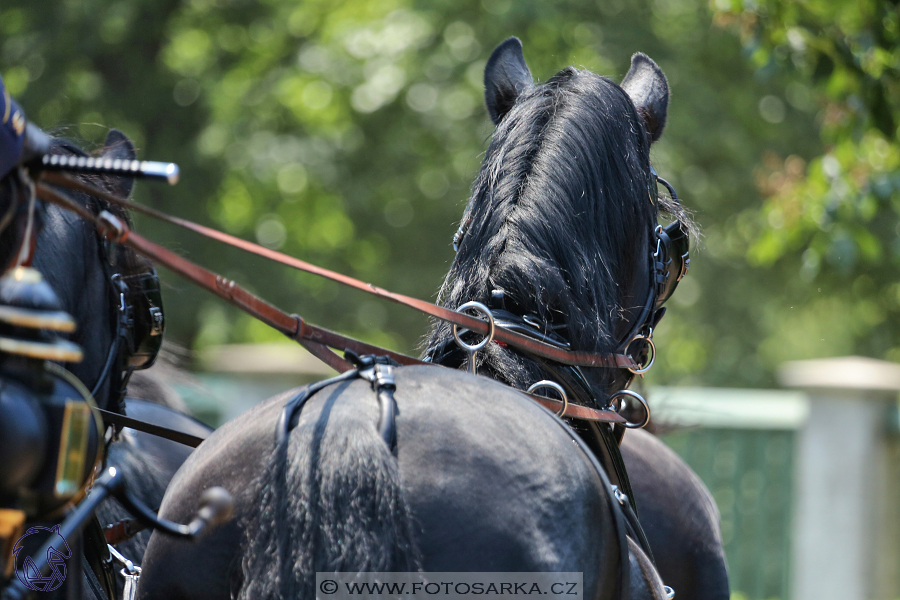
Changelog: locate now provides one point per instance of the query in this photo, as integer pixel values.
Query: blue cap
(12, 132)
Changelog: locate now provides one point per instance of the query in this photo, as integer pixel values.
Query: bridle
(138, 323)
(669, 262)
(138, 326)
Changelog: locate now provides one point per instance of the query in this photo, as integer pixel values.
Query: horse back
(492, 481)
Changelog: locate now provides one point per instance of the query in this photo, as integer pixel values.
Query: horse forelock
(559, 211)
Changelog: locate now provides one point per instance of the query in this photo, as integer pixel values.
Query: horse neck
(617, 315)
(565, 239)
(69, 256)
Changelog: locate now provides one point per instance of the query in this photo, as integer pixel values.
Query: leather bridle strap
(317, 340)
(577, 411)
(582, 359)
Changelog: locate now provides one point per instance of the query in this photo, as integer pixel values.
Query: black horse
(529, 250)
(82, 269)
(475, 476)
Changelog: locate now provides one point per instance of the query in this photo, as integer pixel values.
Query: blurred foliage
(348, 133)
(829, 228)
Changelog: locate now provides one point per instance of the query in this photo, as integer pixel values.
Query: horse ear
(505, 77)
(646, 84)
(118, 146)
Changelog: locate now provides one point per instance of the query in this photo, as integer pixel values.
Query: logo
(58, 552)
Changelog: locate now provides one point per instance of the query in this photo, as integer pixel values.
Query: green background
(348, 133)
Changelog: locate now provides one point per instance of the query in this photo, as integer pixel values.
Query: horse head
(99, 283)
(102, 284)
(560, 226)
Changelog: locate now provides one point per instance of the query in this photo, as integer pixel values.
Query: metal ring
(477, 307)
(670, 593)
(621, 496)
(546, 383)
(640, 399)
(649, 340)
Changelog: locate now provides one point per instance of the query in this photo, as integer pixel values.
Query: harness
(378, 371)
(138, 321)
(669, 262)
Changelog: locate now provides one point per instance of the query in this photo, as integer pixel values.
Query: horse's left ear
(505, 77)
(646, 84)
(118, 146)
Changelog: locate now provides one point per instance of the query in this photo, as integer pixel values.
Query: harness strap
(295, 404)
(633, 524)
(616, 509)
(164, 432)
(97, 589)
(99, 572)
(265, 312)
(377, 370)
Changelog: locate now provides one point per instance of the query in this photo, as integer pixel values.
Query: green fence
(749, 473)
(741, 444)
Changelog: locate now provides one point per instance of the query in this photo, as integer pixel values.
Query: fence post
(846, 514)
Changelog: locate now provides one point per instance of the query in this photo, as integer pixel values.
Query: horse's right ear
(647, 87)
(505, 77)
(118, 146)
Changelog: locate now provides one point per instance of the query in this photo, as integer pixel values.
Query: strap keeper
(114, 229)
(300, 332)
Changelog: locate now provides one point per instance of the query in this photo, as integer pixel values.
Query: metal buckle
(156, 320)
(685, 267)
(473, 349)
(130, 571)
(546, 383)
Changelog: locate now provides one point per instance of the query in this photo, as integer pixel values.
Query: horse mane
(559, 215)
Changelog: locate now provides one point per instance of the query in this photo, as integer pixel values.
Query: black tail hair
(330, 501)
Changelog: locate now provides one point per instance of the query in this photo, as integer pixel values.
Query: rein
(582, 359)
(316, 340)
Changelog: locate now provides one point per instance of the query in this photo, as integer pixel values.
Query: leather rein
(318, 341)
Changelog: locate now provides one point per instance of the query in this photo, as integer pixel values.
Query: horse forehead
(579, 111)
(578, 84)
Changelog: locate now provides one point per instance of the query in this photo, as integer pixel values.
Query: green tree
(348, 133)
(829, 227)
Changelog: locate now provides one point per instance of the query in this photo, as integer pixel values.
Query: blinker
(144, 298)
(671, 259)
